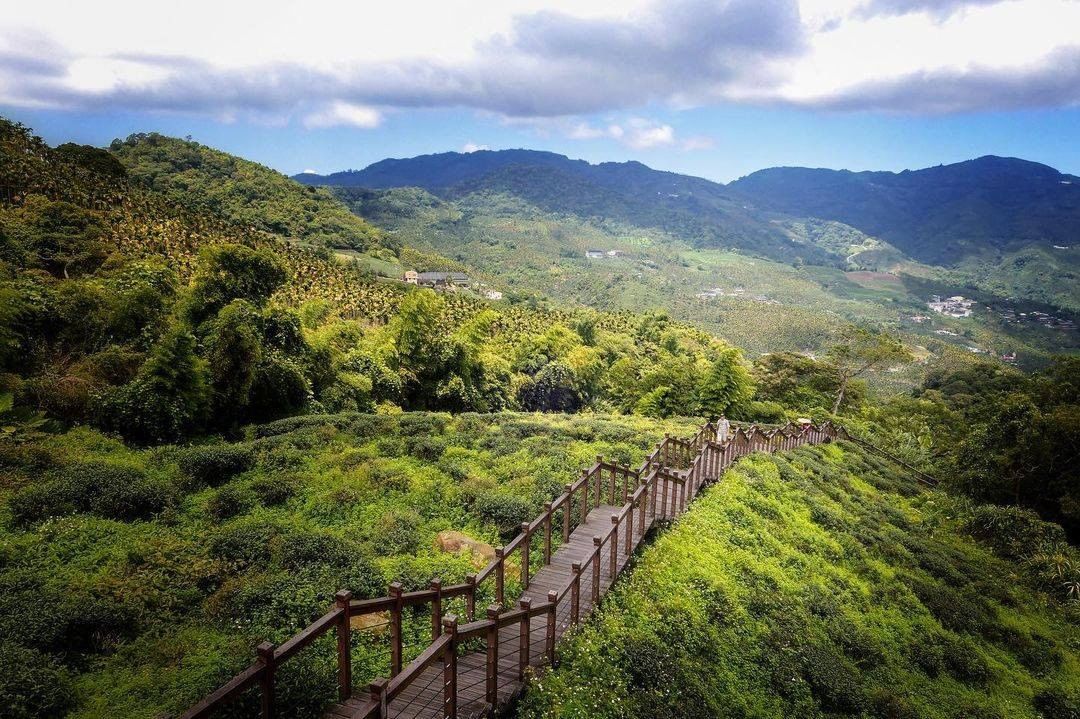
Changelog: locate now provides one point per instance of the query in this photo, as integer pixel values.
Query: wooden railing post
(567, 508)
(552, 618)
(584, 497)
(500, 575)
(525, 555)
(642, 504)
(395, 629)
(614, 546)
(436, 609)
(525, 605)
(597, 543)
(265, 652)
(493, 657)
(547, 533)
(470, 597)
(575, 592)
(378, 695)
(343, 600)
(450, 668)
(663, 493)
(614, 479)
(628, 535)
(599, 480)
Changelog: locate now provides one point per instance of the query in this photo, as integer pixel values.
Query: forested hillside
(699, 212)
(759, 304)
(204, 179)
(1008, 224)
(163, 319)
(824, 583)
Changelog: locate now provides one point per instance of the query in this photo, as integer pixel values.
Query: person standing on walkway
(722, 429)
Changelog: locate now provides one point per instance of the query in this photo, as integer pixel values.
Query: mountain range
(943, 215)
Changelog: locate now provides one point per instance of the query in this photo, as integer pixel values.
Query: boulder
(454, 542)
(376, 622)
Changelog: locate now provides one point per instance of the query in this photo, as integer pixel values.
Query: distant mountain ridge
(934, 214)
(1009, 223)
(699, 211)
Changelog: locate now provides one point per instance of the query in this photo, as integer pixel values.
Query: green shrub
(211, 465)
(965, 662)
(396, 532)
(245, 542)
(505, 511)
(43, 500)
(33, 684)
(891, 704)
(229, 501)
(275, 489)
(834, 680)
(1012, 532)
(301, 550)
(106, 488)
(1058, 703)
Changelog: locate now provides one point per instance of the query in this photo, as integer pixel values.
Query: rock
(458, 543)
(376, 622)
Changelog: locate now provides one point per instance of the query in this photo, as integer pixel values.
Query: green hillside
(822, 583)
(244, 192)
(133, 582)
(1008, 224)
(759, 304)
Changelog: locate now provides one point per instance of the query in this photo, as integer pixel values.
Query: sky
(714, 88)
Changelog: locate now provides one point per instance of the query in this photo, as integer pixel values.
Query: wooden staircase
(473, 666)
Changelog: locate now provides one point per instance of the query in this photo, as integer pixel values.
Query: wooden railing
(675, 469)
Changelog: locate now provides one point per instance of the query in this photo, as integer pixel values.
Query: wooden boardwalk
(423, 699)
(475, 668)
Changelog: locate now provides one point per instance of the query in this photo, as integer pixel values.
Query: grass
(801, 307)
(141, 617)
(818, 584)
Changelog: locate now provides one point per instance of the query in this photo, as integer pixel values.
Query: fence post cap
(597, 540)
(378, 686)
(265, 650)
(449, 623)
(525, 603)
(575, 567)
(343, 597)
(435, 584)
(470, 579)
(599, 458)
(493, 611)
(614, 519)
(395, 589)
(524, 527)
(498, 551)
(553, 596)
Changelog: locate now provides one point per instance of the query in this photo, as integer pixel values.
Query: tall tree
(859, 351)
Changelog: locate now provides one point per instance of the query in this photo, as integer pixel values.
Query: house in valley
(438, 280)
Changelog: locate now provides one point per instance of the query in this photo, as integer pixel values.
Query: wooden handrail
(641, 492)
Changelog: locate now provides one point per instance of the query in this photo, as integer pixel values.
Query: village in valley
(449, 282)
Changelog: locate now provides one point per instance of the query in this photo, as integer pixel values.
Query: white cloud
(340, 113)
(539, 58)
(698, 142)
(636, 132)
(473, 147)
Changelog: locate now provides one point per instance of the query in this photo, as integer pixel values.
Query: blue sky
(716, 89)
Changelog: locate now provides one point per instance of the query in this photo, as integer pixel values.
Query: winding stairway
(475, 665)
